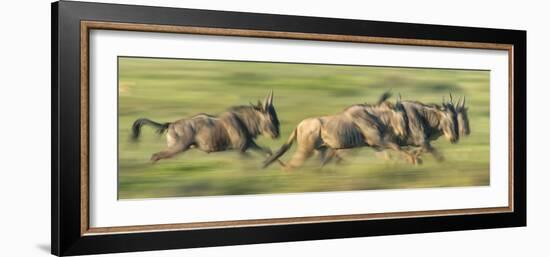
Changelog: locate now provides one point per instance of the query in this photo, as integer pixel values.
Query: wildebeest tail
(281, 150)
(136, 127)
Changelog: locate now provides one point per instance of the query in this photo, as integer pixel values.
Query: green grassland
(166, 89)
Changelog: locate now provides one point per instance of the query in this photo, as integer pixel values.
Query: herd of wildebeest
(406, 127)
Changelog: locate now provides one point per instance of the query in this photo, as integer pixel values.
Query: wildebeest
(234, 129)
(358, 125)
(427, 122)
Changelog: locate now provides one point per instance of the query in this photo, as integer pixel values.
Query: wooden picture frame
(71, 25)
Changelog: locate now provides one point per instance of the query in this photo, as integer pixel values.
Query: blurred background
(165, 90)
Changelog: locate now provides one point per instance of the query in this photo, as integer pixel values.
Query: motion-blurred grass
(168, 89)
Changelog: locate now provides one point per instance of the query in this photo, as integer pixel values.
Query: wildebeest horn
(463, 104)
(268, 100)
(458, 102)
(399, 98)
(451, 98)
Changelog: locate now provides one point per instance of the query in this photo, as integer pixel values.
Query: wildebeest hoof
(155, 158)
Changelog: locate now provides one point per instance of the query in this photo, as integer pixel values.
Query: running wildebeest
(234, 129)
(427, 122)
(357, 126)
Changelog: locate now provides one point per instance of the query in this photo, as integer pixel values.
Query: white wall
(25, 128)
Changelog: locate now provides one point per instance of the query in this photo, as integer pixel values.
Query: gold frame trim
(86, 26)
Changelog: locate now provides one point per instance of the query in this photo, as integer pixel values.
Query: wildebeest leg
(305, 149)
(255, 147)
(339, 155)
(373, 138)
(411, 157)
(326, 155)
(308, 138)
(416, 152)
(244, 155)
(382, 144)
(382, 154)
(427, 147)
(299, 157)
(263, 150)
(175, 148)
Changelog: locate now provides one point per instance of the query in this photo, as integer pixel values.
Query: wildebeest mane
(248, 117)
(424, 120)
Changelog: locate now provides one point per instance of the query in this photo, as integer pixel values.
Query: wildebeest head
(268, 121)
(448, 121)
(462, 117)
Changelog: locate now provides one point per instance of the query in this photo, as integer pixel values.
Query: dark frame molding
(67, 238)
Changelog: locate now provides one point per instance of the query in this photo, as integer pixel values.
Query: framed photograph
(178, 128)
